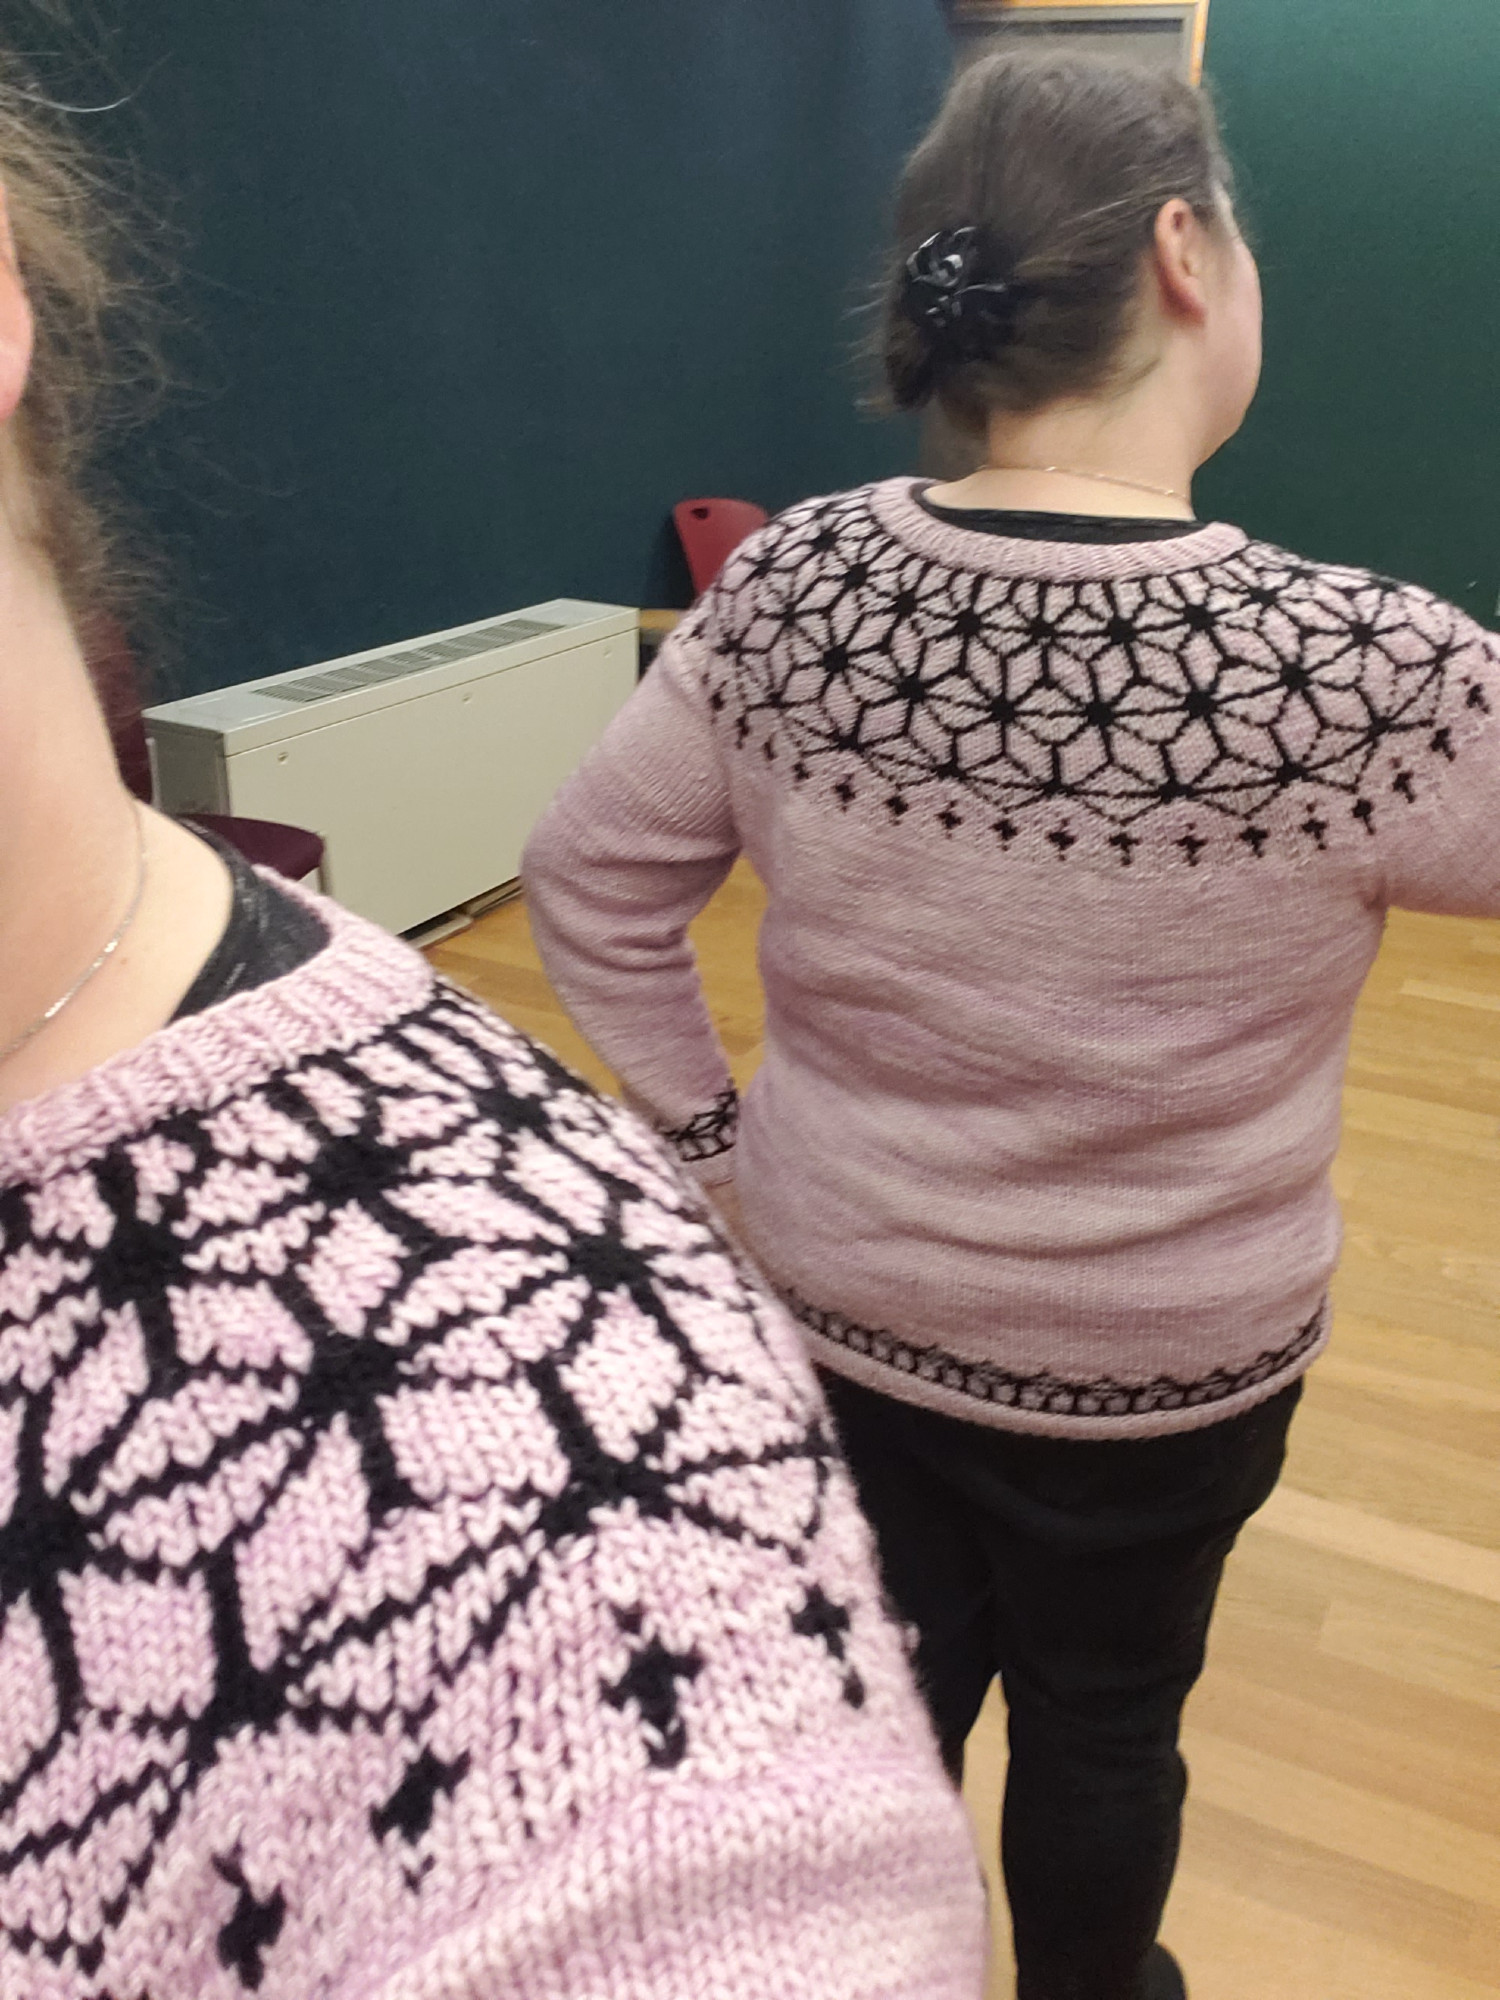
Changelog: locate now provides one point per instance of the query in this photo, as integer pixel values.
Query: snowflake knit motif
(1251, 705)
(330, 1416)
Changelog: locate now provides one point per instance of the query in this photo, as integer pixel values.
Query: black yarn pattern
(513, 1117)
(1251, 706)
(1042, 1393)
(711, 1133)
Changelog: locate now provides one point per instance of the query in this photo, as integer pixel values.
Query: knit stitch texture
(1077, 858)
(425, 1568)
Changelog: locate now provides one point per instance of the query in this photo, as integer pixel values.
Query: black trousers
(1084, 1574)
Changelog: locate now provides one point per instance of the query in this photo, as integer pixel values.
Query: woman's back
(1077, 856)
(1079, 821)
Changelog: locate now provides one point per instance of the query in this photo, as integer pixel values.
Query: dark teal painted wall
(476, 289)
(1368, 137)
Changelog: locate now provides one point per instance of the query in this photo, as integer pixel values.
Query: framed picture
(1172, 32)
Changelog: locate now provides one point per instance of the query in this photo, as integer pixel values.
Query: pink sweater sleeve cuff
(705, 1144)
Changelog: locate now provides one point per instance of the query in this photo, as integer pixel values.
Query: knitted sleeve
(1446, 860)
(426, 1570)
(627, 855)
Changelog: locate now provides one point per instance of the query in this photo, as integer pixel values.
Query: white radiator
(423, 765)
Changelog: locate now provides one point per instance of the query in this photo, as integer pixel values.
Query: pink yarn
(1077, 858)
(425, 1568)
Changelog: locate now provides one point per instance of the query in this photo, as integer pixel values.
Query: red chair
(291, 850)
(710, 531)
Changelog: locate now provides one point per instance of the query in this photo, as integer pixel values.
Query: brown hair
(1061, 165)
(93, 346)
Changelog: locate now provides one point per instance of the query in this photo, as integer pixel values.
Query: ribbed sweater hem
(1044, 1404)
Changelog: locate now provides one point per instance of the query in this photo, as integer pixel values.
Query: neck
(67, 839)
(69, 860)
(1138, 440)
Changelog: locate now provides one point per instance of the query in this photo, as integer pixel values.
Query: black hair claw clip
(940, 295)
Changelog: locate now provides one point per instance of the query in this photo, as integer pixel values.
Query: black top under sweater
(1030, 525)
(269, 933)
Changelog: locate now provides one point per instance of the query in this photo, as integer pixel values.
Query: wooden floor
(1343, 1836)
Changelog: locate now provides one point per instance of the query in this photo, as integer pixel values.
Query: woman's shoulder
(377, 1147)
(409, 1414)
(808, 531)
(1360, 594)
(358, 1057)
(1412, 659)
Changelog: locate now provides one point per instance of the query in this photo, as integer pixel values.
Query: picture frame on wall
(1172, 32)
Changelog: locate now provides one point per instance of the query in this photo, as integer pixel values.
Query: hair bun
(964, 319)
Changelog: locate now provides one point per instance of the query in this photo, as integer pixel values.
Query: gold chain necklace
(1103, 479)
(27, 1034)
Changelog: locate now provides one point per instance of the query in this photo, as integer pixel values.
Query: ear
(17, 330)
(1182, 255)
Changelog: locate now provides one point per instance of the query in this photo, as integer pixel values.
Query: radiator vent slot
(411, 660)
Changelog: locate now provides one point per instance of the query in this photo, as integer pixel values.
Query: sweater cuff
(705, 1145)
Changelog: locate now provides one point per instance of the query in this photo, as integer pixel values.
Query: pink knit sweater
(424, 1568)
(1077, 859)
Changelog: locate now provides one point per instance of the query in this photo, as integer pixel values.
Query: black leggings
(1083, 1574)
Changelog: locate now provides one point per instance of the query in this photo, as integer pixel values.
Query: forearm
(612, 934)
(627, 855)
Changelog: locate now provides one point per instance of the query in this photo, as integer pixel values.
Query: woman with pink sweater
(426, 1568)
(1078, 819)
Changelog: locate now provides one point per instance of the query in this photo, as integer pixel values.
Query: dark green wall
(1368, 137)
(476, 289)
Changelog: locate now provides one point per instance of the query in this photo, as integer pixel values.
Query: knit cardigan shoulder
(1076, 858)
(425, 1566)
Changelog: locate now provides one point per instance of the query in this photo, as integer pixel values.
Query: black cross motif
(649, 1683)
(408, 1811)
(1254, 688)
(252, 1929)
(821, 1618)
